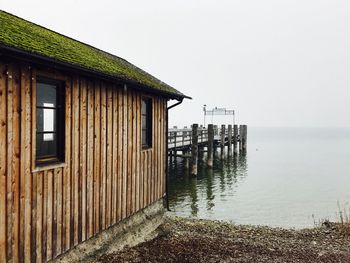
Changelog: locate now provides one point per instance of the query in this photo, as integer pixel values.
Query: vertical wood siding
(107, 176)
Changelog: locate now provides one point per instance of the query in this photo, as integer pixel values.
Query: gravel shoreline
(192, 240)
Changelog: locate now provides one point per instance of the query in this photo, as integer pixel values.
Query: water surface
(290, 177)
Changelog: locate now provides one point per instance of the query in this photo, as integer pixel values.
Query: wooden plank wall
(107, 175)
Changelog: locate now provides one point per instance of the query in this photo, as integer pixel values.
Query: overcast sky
(277, 63)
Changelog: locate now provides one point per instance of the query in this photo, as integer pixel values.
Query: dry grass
(344, 219)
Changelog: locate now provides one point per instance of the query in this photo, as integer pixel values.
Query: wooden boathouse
(82, 141)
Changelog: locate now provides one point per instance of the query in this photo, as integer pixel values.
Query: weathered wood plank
(15, 184)
(149, 175)
(39, 216)
(26, 178)
(83, 160)
(145, 179)
(34, 216)
(120, 154)
(159, 140)
(155, 148)
(128, 138)
(125, 152)
(76, 197)
(90, 160)
(59, 214)
(49, 214)
(103, 157)
(33, 154)
(97, 156)
(109, 158)
(161, 124)
(140, 155)
(3, 161)
(161, 136)
(45, 221)
(165, 146)
(161, 151)
(28, 165)
(67, 204)
(153, 167)
(134, 152)
(54, 212)
(9, 195)
(138, 150)
(115, 159)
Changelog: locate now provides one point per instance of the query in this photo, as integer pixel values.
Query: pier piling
(229, 138)
(235, 136)
(222, 143)
(244, 140)
(210, 145)
(241, 135)
(194, 150)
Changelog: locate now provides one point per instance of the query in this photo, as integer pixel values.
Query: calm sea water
(290, 177)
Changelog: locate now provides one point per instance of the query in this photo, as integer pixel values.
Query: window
(50, 125)
(146, 111)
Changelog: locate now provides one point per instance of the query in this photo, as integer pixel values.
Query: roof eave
(11, 51)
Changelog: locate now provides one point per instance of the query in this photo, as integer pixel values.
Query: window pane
(48, 137)
(144, 137)
(46, 94)
(45, 120)
(49, 120)
(39, 120)
(143, 107)
(144, 122)
(46, 148)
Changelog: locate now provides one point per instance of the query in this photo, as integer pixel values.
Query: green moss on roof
(26, 36)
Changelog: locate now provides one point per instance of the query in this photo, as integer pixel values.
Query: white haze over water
(277, 63)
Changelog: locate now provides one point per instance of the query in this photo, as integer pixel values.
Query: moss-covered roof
(22, 35)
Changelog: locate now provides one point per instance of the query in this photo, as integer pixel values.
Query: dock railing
(183, 140)
(178, 138)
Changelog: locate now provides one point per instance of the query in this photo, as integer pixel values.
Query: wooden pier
(190, 141)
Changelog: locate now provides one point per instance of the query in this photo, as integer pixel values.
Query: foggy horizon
(277, 64)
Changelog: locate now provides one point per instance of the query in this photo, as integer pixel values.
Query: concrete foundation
(138, 228)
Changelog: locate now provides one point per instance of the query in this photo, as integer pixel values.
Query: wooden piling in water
(175, 139)
(210, 145)
(186, 159)
(245, 134)
(194, 150)
(222, 143)
(229, 138)
(171, 156)
(241, 135)
(235, 136)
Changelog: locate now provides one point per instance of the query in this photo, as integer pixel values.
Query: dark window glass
(146, 112)
(49, 121)
(46, 94)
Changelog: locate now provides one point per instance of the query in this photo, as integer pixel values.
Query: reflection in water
(197, 196)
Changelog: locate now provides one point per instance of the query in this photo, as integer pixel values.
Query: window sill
(48, 167)
(148, 149)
